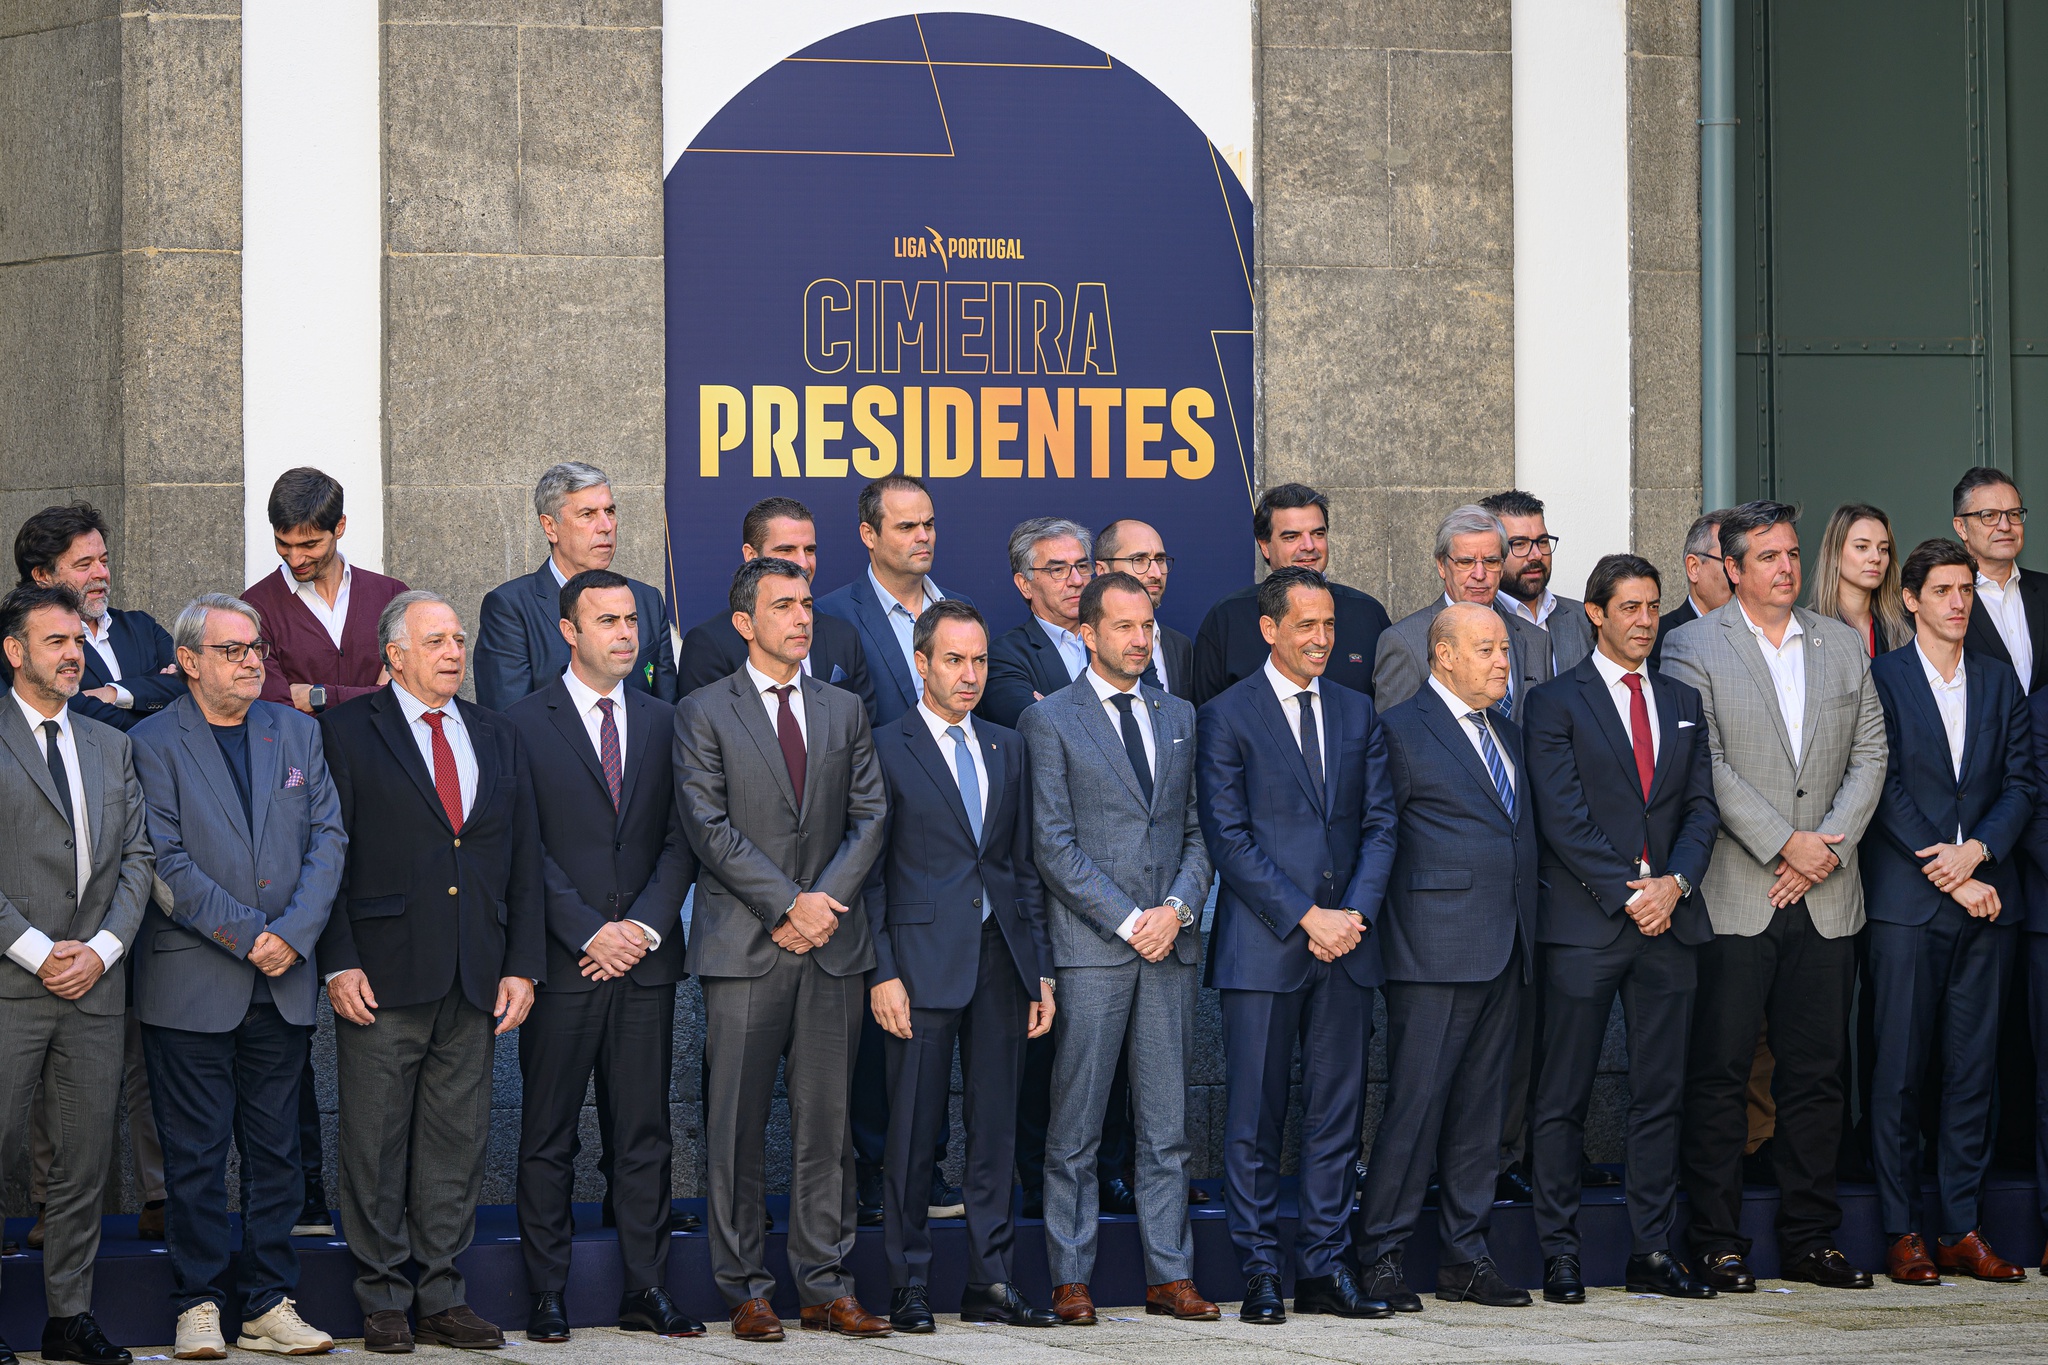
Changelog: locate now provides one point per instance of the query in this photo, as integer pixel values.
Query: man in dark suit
(779, 528)
(783, 801)
(1290, 525)
(1134, 548)
(616, 866)
(2032, 922)
(1298, 811)
(2009, 622)
(131, 670)
(1525, 579)
(1051, 563)
(1623, 785)
(439, 930)
(1707, 586)
(901, 532)
(1455, 936)
(519, 647)
(960, 953)
(1938, 877)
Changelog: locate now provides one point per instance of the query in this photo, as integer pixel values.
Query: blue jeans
(208, 1088)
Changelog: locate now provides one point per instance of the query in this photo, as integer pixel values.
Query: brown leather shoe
(1973, 1257)
(33, 1238)
(1178, 1297)
(387, 1333)
(1073, 1305)
(1907, 1263)
(754, 1320)
(845, 1316)
(460, 1328)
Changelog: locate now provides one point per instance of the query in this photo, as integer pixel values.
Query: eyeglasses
(1464, 563)
(1991, 516)
(237, 650)
(1060, 570)
(1144, 563)
(1521, 546)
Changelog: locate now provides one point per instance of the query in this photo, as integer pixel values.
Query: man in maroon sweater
(320, 615)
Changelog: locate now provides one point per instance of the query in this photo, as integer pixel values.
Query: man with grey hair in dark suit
(783, 799)
(1120, 852)
(72, 887)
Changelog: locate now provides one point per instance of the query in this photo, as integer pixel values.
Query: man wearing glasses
(1134, 548)
(1525, 579)
(1471, 556)
(1049, 558)
(2010, 622)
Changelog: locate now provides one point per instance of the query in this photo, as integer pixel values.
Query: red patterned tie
(608, 750)
(791, 737)
(447, 785)
(1639, 729)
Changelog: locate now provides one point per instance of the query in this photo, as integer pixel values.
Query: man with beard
(130, 668)
(1525, 579)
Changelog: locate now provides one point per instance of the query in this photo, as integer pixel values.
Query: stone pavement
(1961, 1322)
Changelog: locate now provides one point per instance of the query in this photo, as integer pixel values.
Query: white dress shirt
(1618, 692)
(332, 619)
(585, 700)
(1073, 652)
(1286, 691)
(1539, 617)
(1459, 711)
(2009, 615)
(458, 741)
(1107, 690)
(1787, 665)
(100, 635)
(762, 689)
(32, 949)
(937, 724)
(1952, 699)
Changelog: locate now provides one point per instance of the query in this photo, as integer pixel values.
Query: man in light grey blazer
(1120, 852)
(75, 869)
(783, 799)
(249, 843)
(1797, 735)
(1471, 557)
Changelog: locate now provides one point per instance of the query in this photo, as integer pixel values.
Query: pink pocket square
(294, 777)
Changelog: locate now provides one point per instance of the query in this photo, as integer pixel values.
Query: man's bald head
(1469, 653)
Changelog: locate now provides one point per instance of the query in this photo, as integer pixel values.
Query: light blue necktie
(970, 788)
(1494, 767)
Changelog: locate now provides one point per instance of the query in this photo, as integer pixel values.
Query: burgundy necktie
(791, 737)
(608, 750)
(447, 784)
(1639, 730)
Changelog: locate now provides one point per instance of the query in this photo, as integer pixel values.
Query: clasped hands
(1803, 863)
(810, 923)
(1953, 868)
(71, 969)
(615, 950)
(1332, 933)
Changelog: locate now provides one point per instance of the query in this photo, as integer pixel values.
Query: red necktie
(791, 737)
(447, 785)
(1639, 730)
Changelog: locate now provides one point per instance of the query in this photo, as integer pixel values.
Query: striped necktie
(1495, 768)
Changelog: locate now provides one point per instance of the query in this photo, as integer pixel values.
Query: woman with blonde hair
(1857, 579)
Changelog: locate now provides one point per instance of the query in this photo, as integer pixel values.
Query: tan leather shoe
(1073, 1305)
(754, 1320)
(1178, 1298)
(845, 1316)
(1975, 1258)
(1906, 1261)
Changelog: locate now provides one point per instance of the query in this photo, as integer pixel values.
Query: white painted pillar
(312, 242)
(1572, 397)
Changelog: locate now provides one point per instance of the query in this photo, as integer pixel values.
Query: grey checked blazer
(1101, 853)
(1764, 799)
(1401, 666)
(1571, 633)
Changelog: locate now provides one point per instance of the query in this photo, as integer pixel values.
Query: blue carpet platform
(132, 1301)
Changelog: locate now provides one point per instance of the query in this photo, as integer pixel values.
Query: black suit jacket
(422, 908)
(600, 865)
(925, 896)
(713, 651)
(1591, 818)
(143, 647)
(1180, 662)
(1230, 646)
(1021, 662)
(1665, 625)
(519, 644)
(1985, 639)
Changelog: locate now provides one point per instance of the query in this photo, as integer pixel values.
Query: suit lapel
(389, 722)
(569, 724)
(92, 777)
(1593, 691)
(1289, 743)
(1096, 722)
(817, 722)
(754, 716)
(482, 745)
(1665, 699)
(998, 773)
(1454, 734)
(1745, 647)
(642, 732)
(938, 766)
(875, 621)
(264, 759)
(1816, 664)
(1977, 700)
(204, 751)
(21, 742)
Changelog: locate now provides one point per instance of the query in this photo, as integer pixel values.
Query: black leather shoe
(1727, 1273)
(1478, 1282)
(7, 1356)
(1593, 1177)
(867, 1200)
(1512, 1187)
(78, 1338)
(1828, 1268)
(910, 1310)
(680, 1221)
(767, 1219)
(1002, 1304)
(547, 1319)
(1562, 1282)
(1662, 1273)
(1385, 1281)
(652, 1310)
(1337, 1294)
(1117, 1196)
(1262, 1306)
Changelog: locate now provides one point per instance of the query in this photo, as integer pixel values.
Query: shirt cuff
(328, 979)
(123, 698)
(653, 939)
(107, 946)
(1130, 924)
(31, 951)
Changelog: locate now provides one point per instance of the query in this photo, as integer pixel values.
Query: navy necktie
(1134, 743)
(63, 779)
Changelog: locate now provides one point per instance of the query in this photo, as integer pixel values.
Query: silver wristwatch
(1684, 885)
(1181, 911)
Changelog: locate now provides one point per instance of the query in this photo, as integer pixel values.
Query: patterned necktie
(447, 782)
(1495, 768)
(608, 750)
(58, 774)
(1505, 707)
(969, 779)
(791, 737)
(1134, 744)
(1311, 743)
(1639, 730)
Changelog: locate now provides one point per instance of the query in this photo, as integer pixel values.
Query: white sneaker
(199, 1335)
(283, 1332)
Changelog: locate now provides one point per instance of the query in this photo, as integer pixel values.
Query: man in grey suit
(783, 799)
(1525, 580)
(73, 878)
(1797, 733)
(1471, 556)
(249, 843)
(1125, 870)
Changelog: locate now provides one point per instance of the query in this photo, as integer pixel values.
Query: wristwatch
(316, 697)
(1684, 884)
(1181, 910)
